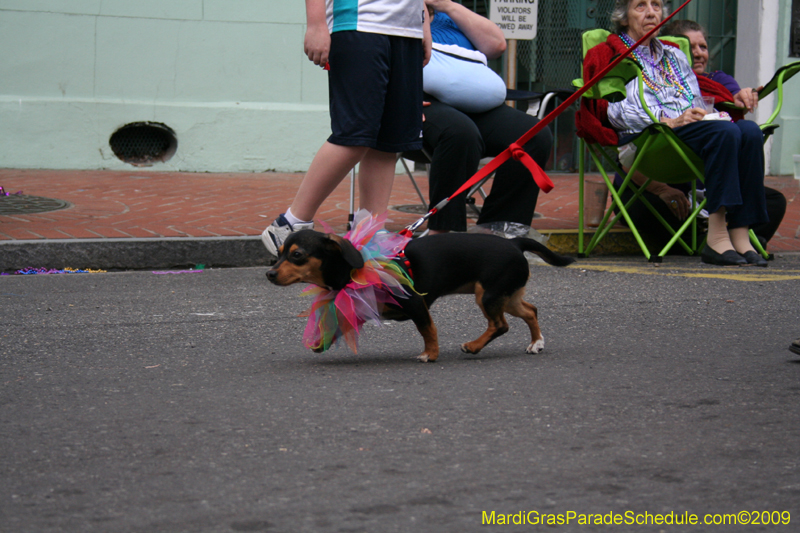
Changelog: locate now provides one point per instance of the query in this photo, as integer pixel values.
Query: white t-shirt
(402, 18)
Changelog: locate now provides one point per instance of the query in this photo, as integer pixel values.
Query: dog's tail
(529, 245)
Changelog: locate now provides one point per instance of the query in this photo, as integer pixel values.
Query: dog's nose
(272, 275)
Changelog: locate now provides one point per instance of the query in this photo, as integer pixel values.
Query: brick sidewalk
(154, 205)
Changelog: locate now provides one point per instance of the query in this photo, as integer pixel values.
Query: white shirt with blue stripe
(401, 18)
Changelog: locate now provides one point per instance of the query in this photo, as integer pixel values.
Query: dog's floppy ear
(349, 252)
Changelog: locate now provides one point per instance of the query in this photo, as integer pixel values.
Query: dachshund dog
(491, 267)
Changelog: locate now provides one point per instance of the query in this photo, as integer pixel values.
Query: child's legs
(327, 170)
(400, 122)
(331, 165)
(375, 87)
(375, 180)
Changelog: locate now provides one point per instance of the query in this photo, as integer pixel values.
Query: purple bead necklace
(670, 74)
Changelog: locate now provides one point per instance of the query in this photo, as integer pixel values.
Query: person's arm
(676, 201)
(747, 98)
(426, 38)
(317, 43)
(482, 32)
(628, 116)
(692, 114)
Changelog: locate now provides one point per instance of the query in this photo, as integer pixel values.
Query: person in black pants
(457, 141)
(467, 120)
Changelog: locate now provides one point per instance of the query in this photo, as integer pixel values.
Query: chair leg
(352, 214)
(413, 182)
(607, 222)
(581, 169)
(757, 245)
(477, 189)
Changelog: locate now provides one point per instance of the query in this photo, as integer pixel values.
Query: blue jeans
(733, 154)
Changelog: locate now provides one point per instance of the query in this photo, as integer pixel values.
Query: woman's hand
(693, 114)
(674, 198)
(747, 98)
(677, 202)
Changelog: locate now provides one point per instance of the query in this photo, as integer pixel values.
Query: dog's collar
(404, 263)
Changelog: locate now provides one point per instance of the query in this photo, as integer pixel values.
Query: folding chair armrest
(730, 106)
(781, 76)
(537, 102)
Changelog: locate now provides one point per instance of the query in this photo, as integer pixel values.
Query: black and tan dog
(491, 267)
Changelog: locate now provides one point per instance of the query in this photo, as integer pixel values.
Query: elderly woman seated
(732, 152)
(743, 97)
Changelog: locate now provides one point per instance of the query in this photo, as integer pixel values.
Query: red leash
(515, 150)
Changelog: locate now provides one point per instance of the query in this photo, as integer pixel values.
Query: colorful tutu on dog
(340, 314)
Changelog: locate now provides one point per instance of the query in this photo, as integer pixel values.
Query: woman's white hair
(619, 15)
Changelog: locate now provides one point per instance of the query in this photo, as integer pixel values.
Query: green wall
(228, 76)
(787, 137)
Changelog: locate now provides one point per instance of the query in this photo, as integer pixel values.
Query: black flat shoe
(728, 258)
(755, 258)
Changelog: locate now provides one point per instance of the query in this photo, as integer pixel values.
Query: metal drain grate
(144, 143)
(23, 204)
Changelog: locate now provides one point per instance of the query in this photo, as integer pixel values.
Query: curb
(133, 254)
(218, 252)
(618, 242)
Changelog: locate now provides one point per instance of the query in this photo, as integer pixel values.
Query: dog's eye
(297, 254)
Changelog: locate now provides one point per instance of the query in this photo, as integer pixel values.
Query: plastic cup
(708, 104)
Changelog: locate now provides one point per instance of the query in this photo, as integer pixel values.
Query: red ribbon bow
(539, 176)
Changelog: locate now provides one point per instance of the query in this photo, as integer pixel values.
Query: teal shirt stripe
(345, 15)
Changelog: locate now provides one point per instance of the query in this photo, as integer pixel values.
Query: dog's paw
(425, 358)
(535, 347)
(469, 347)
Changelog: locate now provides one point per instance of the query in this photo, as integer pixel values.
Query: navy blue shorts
(375, 91)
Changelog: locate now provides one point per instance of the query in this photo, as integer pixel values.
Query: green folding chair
(781, 76)
(660, 156)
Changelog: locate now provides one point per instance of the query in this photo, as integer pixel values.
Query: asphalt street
(144, 402)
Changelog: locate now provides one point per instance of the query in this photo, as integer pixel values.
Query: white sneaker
(278, 231)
